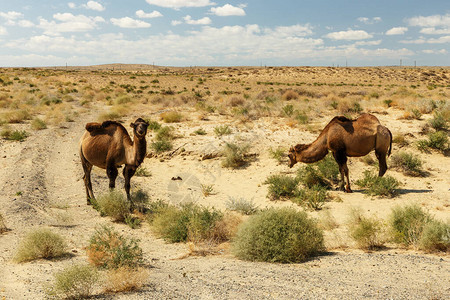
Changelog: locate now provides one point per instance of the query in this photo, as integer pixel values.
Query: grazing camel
(347, 138)
(108, 146)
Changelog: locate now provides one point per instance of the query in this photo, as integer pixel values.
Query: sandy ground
(42, 185)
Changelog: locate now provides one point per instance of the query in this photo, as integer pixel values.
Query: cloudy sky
(225, 33)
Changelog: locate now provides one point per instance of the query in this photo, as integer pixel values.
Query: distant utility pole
(415, 65)
(346, 63)
(400, 62)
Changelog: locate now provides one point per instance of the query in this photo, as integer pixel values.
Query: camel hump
(97, 126)
(341, 119)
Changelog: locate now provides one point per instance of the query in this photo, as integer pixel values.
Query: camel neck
(139, 150)
(315, 151)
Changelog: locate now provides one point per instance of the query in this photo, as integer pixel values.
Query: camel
(347, 138)
(108, 146)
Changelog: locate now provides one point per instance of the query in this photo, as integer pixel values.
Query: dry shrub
(225, 229)
(290, 95)
(125, 279)
(171, 117)
(40, 243)
(17, 116)
(367, 232)
(3, 227)
(74, 282)
(113, 204)
(235, 101)
(109, 249)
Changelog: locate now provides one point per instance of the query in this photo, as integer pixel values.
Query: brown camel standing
(108, 146)
(347, 138)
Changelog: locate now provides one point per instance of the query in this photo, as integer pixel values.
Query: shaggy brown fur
(347, 138)
(108, 146)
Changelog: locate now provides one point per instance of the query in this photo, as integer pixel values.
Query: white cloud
(69, 23)
(203, 21)
(176, 4)
(422, 40)
(397, 31)
(433, 30)
(430, 21)
(441, 51)
(369, 21)
(175, 23)
(128, 22)
(71, 5)
(143, 15)
(349, 35)
(11, 15)
(368, 43)
(3, 31)
(94, 5)
(25, 23)
(228, 10)
(291, 31)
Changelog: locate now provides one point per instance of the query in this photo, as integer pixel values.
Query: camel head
(294, 154)
(139, 127)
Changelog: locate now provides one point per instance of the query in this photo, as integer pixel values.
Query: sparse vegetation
(16, 135)
(142, 171)
(281, 186)
(3, 227)
(113, 204)
(207, 189)
(279, 154)
(435, 237)
(313, 198)
(407, 224)
(437, 140)
(235, 155)
(74, 282)
(40, 243)
(189, 222)
(367, 232)
(278, 235)
(109, 249)
(241, 205)
(408, 163)
(386, 186)
(125, 279)
(38, 124)
(171, 117)
(222, 130)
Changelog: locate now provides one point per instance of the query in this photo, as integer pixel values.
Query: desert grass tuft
(125, 279)
(235, 155)
(142, 172)
(278, 235)
(435, 237)
(279, 154)
(408, 163)
(281, 187)
(407, 224)
(367, 232)
(74, 282)
(222, 130)
(111, 250)
(312, 198)
(38, 124)
(437, 140)
(40, 243)
(3, 227)
(113, 204)
(386, 186)
(171, 117)
(241, 205)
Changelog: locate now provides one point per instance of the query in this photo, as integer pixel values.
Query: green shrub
(16, 135)
(407, 224)
(437, 140)
(278, 235)
(40, 243)
(302, 118)
(38, 124)
(113, 204)
(324, 173)
(288, 110)
(438, 122)
(161, 146)
(165, 133)
(281, 186)
(153, 125)
(142, 172)
(328, 168)
(366, 232)
(109, 249)
(435, 237)
(312, 198)
(190, 222)
(310, 176)
(408, 163)
(74, 282)
(241, 205)
(278, 154)
(200, 131)
(235, 155)
(386, 186)
(222, 130)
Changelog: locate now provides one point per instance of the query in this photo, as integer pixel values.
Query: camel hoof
(348, 190)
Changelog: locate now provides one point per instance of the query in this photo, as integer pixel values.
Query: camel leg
(381, 163)
(341, 160)
(128, 172)
(87, 168)
(111, 172)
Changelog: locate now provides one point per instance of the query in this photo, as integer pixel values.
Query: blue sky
(225, 33)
